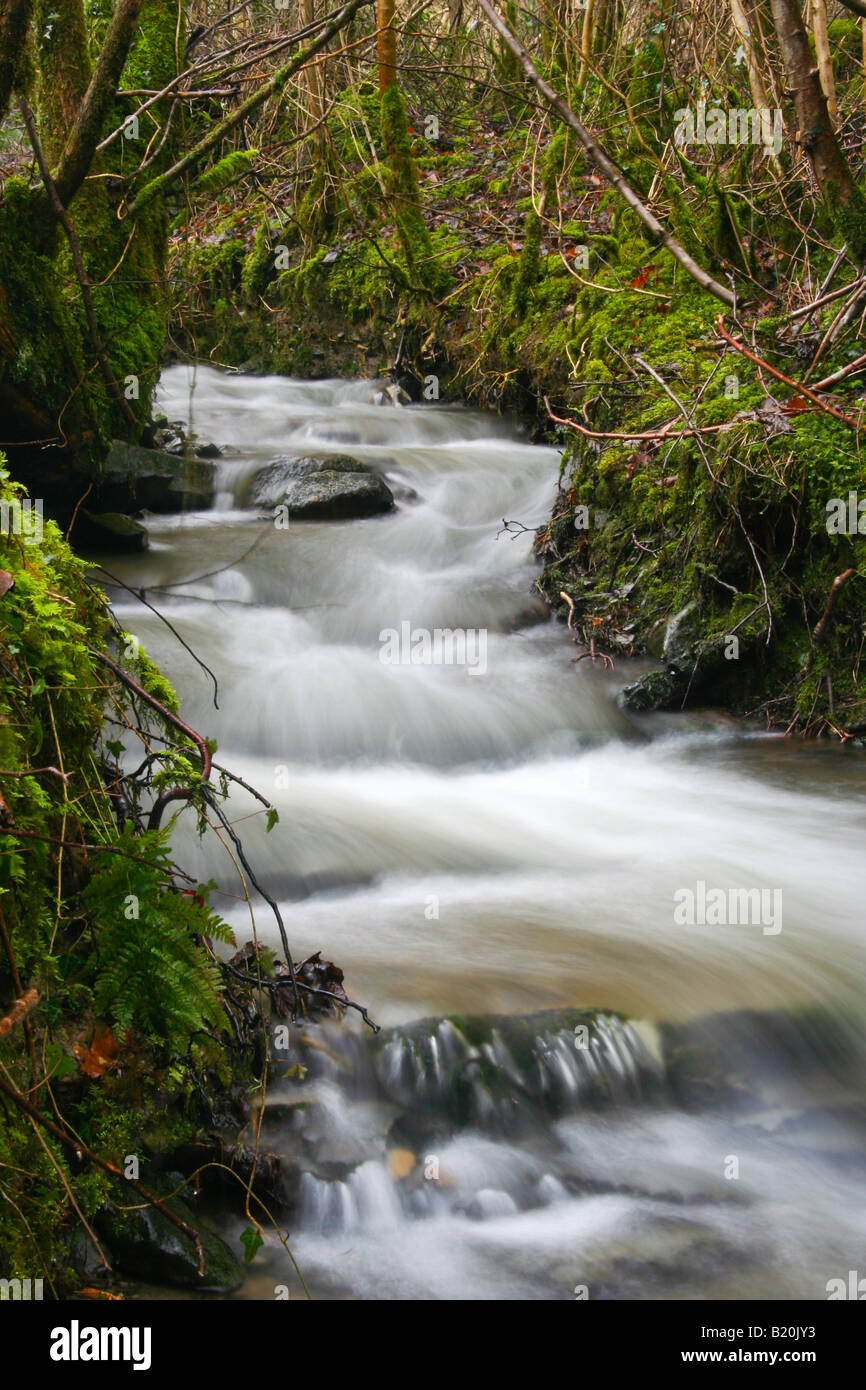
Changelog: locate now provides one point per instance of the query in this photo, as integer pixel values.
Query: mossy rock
(148, 1246)
(137, 478)
(109, 531)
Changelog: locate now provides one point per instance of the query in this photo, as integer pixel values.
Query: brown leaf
(100, 1056)
(6, 582)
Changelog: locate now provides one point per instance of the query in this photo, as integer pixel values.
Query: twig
(20, 1009)
(821, 625)
(139, 594)
(666, 432)
(794, 385)
(175, 793)
(81, 1151)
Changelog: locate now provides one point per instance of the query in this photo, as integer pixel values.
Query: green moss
(412, 230)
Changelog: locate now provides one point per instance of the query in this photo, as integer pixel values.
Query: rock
(333, 496)
(332, 487)
(109, 531)
(153, 479)
(208, 451)
(389, 395)
(148, 1246)
(655, 690)
(168, 439)
(680, 636)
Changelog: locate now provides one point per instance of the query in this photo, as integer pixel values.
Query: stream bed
(484, 847)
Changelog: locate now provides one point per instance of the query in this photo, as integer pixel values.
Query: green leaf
(252, 1241)
(57, 1062)
(273, 817)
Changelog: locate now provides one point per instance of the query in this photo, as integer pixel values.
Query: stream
(498, 841)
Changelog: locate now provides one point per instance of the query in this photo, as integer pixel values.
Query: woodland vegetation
(537, 208)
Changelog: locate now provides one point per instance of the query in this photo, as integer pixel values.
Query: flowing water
(503, 840)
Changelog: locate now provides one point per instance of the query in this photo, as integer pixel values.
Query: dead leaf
(6, 582)
(100, 1056)
(400, 1163)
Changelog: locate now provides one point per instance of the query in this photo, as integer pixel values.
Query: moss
(412, 230)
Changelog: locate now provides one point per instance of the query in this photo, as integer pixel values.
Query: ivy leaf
(273, 817)
(115, 747)
(252, 1241)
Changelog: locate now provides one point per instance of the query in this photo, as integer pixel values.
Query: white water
(500, 841)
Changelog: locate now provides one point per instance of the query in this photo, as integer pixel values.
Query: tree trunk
(15, 16)
(844, 199)
(822, 52)
(386, 44)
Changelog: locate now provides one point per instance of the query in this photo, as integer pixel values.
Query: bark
(386, 44)
(816, 137)
(97, 101)
(313, 85)
(15, 16)
(64, 70)
(822, 52)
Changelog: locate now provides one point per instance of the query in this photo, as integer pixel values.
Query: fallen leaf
(400, 1162)
(100, 1056)
(6, 582)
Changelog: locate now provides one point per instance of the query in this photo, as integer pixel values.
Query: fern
(153, 974)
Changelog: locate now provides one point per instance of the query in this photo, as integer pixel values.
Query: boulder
(146, 1245)
(330, 488)
(332, 496)
(137, 478)
(110, 532)
(390, 395)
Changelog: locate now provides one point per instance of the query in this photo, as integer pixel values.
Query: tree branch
(606, 164)
(100, 95)
(164, 181)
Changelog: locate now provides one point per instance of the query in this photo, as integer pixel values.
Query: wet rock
(168, 439)
(335, 496)
(655, 690)
(329, 488)
(137, 478)
(506, 1072)
(390, 395)
(111, 532)
(147, 1245)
